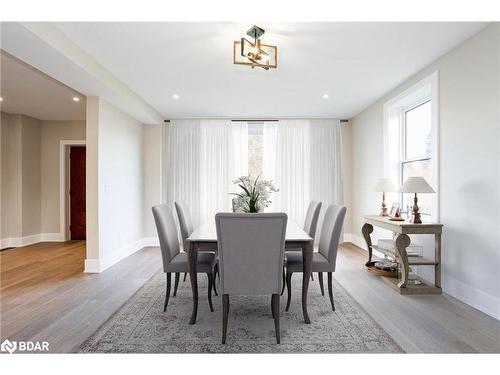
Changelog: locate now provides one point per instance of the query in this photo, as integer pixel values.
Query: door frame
(64, 146)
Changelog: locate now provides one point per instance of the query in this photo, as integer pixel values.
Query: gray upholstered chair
(310, 224)
(173, 260)
(186, 227)
(324, 260)
(251, 253)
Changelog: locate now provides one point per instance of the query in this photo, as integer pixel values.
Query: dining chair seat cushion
(319, 263)
(179, 263)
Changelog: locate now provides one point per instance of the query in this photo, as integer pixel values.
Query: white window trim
(393, 112)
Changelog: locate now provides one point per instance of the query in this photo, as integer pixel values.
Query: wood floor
(44, 295)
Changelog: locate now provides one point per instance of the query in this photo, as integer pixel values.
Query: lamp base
(416, 213)
(383, 207)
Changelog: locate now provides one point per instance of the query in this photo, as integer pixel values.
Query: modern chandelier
(255, 54)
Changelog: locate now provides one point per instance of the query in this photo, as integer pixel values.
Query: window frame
(403, 159)
(393, 110)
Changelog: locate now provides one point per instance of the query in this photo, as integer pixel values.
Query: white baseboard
(52, 237)
(474, 297)
(92, 266)
(101, 264)
(30, 240)
(20, 241)
(356, 240)
(151, 241)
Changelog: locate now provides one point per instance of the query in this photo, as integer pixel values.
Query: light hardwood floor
(44, 295)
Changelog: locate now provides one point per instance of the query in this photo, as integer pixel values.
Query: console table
(402, 229)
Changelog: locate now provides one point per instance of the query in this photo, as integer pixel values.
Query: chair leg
(217, 271)
(225, 315)
(210, 283)
(185, 274)
(320, 278)
(275, 307)
(284, 281)
(176, 285)
(272, 305)
(312, 277)
(330, 289)
(214, 278)
(167, 294)
(289, 289)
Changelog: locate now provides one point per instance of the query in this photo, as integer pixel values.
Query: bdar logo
(8, 346)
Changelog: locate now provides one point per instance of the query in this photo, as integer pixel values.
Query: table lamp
(416, 185)
(384, 185)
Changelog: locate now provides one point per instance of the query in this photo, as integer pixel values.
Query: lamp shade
(416, 185)
(384, 185)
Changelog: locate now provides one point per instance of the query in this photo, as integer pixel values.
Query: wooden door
(77, 192)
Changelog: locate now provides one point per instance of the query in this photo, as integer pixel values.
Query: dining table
(204, 238)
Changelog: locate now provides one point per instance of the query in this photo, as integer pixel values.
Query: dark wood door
(77, 192)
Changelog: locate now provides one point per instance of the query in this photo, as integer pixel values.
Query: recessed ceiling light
(175, 96)
(325, 96)
(1, 99)
(76, 99)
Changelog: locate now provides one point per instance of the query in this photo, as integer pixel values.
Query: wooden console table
(402, 229)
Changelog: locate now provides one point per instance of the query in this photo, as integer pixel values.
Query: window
(410, 143)
(416, 152)
(255, 149)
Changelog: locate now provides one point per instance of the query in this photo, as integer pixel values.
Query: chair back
(167, 233)
(185, 222)
(311, 221)
(330, 232)
(251, 250)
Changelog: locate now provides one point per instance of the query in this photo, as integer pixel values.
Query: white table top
(208, 233)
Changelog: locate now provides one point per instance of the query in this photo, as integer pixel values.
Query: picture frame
(394, 212)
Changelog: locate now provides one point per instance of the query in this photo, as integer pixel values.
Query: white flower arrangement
(254, 196)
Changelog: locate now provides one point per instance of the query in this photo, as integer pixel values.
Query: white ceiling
(26, 90)
(354, 63)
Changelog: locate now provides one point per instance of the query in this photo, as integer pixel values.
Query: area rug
(141, 326)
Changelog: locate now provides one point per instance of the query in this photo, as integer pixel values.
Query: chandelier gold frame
(254, 59)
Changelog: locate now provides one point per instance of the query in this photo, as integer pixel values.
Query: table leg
(401, 242)
(367, 229)
(437, 257)
(307, 255)
(192, 269)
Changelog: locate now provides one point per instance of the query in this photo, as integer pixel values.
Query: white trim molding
(393, 112)
(62, 184)
(29, 240)
(356, 240)
(97, 265)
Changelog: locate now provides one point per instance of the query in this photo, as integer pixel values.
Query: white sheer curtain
(204, 157)
(307, 164)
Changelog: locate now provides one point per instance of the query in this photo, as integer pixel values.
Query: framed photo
(394, 212)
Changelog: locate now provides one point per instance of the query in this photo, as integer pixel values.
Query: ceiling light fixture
(1, 99)
(255, 54)
(325, 96)
(76, 99)
(175, 96)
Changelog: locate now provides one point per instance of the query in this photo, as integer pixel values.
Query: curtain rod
(255, 120)
(258, 120)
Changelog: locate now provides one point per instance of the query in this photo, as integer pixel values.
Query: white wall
(11, 172)
(20, 175)
(346, 134)
(469, 105)
(52, 133)
(115, 185)
(31, 178)
(152, 177)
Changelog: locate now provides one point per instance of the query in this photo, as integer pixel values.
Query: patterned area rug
(141, 326)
